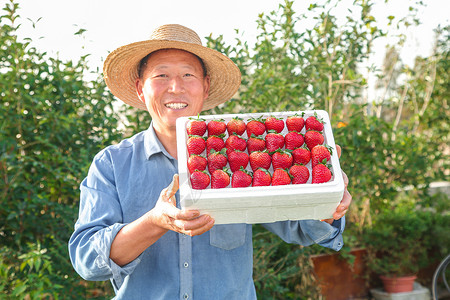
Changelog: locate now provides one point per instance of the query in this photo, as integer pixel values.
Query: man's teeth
(176, 105)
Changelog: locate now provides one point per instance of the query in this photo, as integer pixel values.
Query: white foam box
(267, 204)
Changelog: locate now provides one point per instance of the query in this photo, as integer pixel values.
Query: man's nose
(176, 85)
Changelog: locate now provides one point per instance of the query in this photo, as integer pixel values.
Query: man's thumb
(338, 150)
(173, 186)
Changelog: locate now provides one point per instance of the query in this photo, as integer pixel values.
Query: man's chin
(185, 112)
(169, 119)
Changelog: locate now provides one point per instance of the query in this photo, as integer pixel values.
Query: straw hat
(121, 66)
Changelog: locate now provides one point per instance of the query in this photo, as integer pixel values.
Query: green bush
(397, 242)
(406, 239)
(387, 145)
(281, 270)
(53, 123)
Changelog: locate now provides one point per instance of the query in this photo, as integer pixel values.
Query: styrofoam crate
(262, 204)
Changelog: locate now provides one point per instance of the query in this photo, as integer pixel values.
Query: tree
(313, 69)
(53, 123)
(387, 145)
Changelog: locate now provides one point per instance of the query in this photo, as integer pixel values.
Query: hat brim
(120, 71)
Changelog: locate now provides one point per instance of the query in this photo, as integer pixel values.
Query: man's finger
(343, 206)
(168, 194)
(173, 186)
(338, 150)
(186, 214)
(202, 229)
(196, 226)
(344, 176)
(170, 209)
(329, 221)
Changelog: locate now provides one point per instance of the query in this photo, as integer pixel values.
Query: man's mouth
(177, 105)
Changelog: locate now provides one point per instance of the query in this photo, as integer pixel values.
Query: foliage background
(54, 121)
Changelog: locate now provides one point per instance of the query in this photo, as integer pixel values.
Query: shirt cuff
(102, 241)
(324, 234)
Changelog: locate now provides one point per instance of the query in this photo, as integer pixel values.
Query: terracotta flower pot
(398, 284)
(340, 280)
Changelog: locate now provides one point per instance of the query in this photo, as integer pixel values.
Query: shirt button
(186, 264)
(186, 296)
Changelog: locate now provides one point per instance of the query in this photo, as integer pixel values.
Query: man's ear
(139, 90)
(206, 87)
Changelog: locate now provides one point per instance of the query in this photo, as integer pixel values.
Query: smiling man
(130, 228)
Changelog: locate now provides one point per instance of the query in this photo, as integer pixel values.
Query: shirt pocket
(228, 236)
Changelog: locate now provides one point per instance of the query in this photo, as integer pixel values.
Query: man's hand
(138, 235)
(342, 208)
(166, 215)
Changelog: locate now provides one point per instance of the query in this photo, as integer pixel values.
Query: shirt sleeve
(308, 232)
(99, 220)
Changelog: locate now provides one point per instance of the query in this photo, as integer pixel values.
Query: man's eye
(161, 75)
(188, 75)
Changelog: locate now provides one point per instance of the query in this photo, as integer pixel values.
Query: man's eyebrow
(165, 66)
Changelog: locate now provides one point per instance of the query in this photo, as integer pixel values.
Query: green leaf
(80, 31)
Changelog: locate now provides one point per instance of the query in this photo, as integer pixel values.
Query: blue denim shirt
(124, 182)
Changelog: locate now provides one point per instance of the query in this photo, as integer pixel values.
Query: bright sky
(113, 23)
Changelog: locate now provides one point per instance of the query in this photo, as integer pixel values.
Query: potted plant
(397, 247)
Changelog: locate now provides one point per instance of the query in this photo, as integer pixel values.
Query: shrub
(53, 123)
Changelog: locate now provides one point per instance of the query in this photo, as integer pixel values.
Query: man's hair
(143, 64)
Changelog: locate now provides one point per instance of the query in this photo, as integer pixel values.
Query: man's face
(172, 85)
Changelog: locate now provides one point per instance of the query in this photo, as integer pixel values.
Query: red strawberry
(281, 159)
(235, 142)
(236, 125)
(274, 123)
(274, 141)
(220, 179)
(216, 127)
(320, 154)
(293, 140)
(195, 144)
(259, 159)
(299, 173)
(256, 143)
(295, 122)
(313, 138)
(200, 180)
(314, 123)
(255, 126)
(321, 173)
(301, 156)
(196, 126)
(237, 159)
(216, 160)
(196, 162)
(281, 177)
(241, 178)
(214, 142)
(261, 177)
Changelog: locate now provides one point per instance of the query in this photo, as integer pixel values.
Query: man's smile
(176, 105)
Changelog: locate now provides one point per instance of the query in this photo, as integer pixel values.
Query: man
(130, 228)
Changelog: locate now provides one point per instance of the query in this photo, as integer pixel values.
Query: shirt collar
(152, 144)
